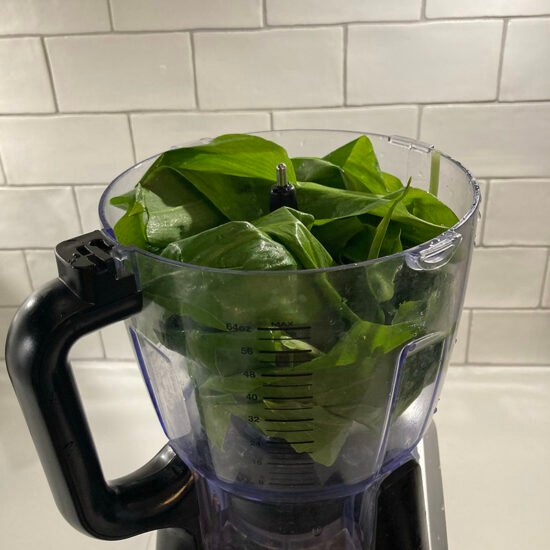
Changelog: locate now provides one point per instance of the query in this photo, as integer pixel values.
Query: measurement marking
(288, 452)
(285, 375)
(285, 329)
(288, 409)
(286, 351)
(287, 398)
(277, 363)
(289, 431)
(287, 385)
(291, 484)
(284, 338)
(289, 463)
(290, 442)
(288, 420)
(277, 454)
(287, 477)
(309, 476)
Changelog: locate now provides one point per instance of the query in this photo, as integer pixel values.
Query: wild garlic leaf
(380, 234)
(287, 227)
(239, 155)
(209, 206)
(233, 245)
(130, 229)
(360, 166)
(175, 209)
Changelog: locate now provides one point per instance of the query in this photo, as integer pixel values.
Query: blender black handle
(90, 293)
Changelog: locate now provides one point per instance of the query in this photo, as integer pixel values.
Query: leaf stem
(434, 172)
(382, 228)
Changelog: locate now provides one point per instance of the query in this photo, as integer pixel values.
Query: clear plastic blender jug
(291, 394)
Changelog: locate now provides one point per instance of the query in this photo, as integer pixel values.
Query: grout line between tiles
(194, 65)
(271, 120)
(77, 206)
(423, 11)
(132, 140)
(468, 335)
(513, 247)
(244, 109)
(264, 13)
(419, 121)
(500, 365)
(50, 73)
(3, 174)
(501, 58)
(484, 212)
(544, 276)
(345, 64)
(304, 26)
(28, 269)
(103, 347)
(42, 186)
(110, 13)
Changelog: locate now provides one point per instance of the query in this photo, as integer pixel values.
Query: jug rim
(447, 235)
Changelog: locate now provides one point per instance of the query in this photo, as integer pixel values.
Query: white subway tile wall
(116, 342)
(506, 277)
(25, 83)
(6, 315)
(526, 65)
(53, 16)
(461, 344)
(87, 200)
(401, 120)
(36, 216)
(154, 133)
(138, 15)
(64, 148)
(546, 293)
(400, 63)
(477, 8)
(493, 140)
(89, 87)
(510, 337)
(15, 284)
(122, 72)
(270, 68)
(42, 266)
(517, 213)
(307, 12)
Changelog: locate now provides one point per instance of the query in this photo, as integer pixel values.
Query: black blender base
(401, 516)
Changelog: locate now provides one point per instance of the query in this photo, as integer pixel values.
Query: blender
(269, 445)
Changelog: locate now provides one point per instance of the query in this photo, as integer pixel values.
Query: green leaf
(380, 234)
(233, 245)
(130, 229)
(175, 209)
(319, 171)
(351, 383)
(336, 235)
(208, 205)
(391, 182)
(360, 166)
(428, 207)
(239, 155)
(327, 204)
(290, 228)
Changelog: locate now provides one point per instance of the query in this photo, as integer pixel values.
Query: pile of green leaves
(208, 205)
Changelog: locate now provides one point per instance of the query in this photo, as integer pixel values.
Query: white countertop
(494, 433)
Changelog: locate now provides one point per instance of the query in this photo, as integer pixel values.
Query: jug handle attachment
(90, 293)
